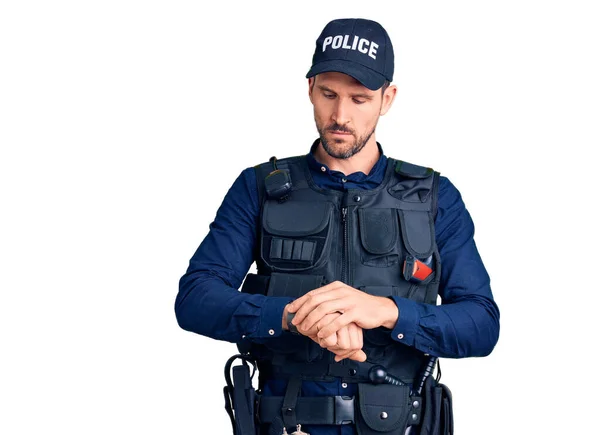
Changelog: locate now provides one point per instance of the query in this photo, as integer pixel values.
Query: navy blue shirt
(209, 303)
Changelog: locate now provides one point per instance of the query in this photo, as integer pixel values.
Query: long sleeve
(467, 323)
(208, 302)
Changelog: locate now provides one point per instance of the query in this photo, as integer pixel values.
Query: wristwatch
(292, 328)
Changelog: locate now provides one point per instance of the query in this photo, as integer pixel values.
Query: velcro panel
(411, 170)
(292, 285)
(378, 229)
(417, 232)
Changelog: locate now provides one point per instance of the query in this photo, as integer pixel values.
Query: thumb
(359, 355)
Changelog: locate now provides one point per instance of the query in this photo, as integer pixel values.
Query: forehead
(340, 82)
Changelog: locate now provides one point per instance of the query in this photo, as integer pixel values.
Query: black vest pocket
(382, 409)
(295, 234)
(378, 236)
(417, 232)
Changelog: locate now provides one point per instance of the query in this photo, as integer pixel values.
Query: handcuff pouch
(383, 409)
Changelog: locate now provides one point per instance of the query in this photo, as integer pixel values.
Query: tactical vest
(371, 240)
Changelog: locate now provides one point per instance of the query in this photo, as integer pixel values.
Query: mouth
(340, 133)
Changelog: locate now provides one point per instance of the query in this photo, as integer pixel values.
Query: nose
(341, 112)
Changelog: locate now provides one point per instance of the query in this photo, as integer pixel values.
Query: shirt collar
(315, 165)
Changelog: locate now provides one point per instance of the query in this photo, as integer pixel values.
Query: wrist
(389, 313)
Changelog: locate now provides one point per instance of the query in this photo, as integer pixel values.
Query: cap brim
(366, 76)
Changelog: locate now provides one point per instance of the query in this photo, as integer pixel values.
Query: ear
(388, 98)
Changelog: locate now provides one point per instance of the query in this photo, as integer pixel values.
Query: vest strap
(290, 401)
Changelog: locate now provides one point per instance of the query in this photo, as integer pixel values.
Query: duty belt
(334, 410)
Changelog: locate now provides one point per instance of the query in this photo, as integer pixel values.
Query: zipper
(345, 242)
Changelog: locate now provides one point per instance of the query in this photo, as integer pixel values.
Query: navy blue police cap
(357, 47)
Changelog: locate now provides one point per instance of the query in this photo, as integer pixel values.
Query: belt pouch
(244, 400)
(438, 414)
(447, 420)
(383, 409)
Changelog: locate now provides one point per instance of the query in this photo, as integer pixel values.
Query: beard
(347, 151)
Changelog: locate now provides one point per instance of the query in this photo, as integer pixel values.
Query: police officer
(352, 250)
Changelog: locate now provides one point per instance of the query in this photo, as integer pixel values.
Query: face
(346, 112)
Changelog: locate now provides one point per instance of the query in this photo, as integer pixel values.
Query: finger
(317, 315)
(327, 319)
(356, 335)
(341, 356)
(359, 355)
(330, 341)
(337, 324)
(355, 354)
(343, 339)
(312, 302)
(348, 349)
(295, 305)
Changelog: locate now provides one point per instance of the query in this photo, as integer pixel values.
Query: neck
(363, 161)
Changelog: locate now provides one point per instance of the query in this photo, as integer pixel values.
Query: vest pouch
(417, 232)
(418, 235)
(383, 409)
(378, 236)
(295, 234)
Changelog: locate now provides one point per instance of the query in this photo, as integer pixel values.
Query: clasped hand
(335, 315)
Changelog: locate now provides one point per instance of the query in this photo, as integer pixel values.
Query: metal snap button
(383, 415)
(271, 332)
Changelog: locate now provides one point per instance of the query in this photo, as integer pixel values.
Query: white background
(123, 124)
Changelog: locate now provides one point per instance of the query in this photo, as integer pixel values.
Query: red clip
(420, 271)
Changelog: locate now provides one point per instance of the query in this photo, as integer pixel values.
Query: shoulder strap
(434, 192)
(411, 170)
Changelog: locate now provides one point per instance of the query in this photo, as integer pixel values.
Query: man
(352, 249)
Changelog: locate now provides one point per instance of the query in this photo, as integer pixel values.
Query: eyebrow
(366, 96)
